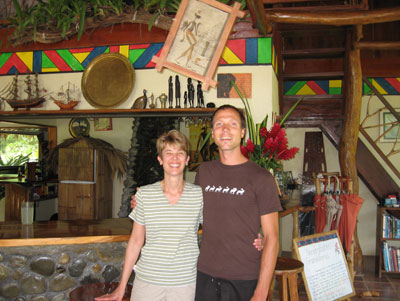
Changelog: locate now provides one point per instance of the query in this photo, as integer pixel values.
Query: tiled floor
(368, 285)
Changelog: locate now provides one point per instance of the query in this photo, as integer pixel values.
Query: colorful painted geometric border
(254, 51)
(385, 86)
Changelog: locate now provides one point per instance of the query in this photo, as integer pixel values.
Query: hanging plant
(52, 21)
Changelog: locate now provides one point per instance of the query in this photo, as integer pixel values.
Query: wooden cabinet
(85, 183)
(387, 233)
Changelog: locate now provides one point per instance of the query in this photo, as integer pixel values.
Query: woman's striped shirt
(169, 255)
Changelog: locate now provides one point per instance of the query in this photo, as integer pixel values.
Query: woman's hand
(116, 295)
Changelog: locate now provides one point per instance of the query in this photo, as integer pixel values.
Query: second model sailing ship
(13, 96)
(67, 99)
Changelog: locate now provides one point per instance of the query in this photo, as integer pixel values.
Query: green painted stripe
(70, 60)
(264, 50)
(134, 54)
(4, 58)
(296, 87)
(46, 62)
(335, 91)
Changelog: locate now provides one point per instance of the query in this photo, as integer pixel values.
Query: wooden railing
(380, 127)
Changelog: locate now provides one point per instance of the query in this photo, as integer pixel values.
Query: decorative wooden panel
(76, 163)
(15, 194)
(76, 201)
(81, 162)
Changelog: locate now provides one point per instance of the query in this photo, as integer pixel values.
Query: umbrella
(333, 208)
(320, 209)
(351, 206)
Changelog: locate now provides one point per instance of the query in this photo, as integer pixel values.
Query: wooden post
(348, 141)
(349, 138)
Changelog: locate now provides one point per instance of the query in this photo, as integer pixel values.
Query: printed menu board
(326, 274)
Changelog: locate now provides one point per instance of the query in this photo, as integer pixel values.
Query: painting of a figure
(197, 37)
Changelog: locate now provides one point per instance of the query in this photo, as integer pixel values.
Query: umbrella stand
(351, 204)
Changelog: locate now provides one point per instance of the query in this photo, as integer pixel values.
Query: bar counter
(14, 234)
(50, 259)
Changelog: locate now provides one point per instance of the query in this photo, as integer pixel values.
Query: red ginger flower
(288, 154)
(244, 151)
(274, 130)
(250, 146)
(263, 132)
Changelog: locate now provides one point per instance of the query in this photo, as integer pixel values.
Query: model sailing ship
(66, 100)
(11, 93)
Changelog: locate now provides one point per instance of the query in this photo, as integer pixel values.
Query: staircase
(312, 64)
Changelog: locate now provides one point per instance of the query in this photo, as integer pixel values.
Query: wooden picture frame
(197, 39)
(323, 256)
(102, 124)
(389, 130)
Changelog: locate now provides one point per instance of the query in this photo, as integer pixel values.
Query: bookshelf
(388, 240)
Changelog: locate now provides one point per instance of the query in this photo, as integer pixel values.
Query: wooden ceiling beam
(381, 45)
(333, 18)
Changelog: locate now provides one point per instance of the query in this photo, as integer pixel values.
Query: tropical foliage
(16, 149)
(64, 18)
(268, 148)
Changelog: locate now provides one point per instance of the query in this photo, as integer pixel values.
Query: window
(16, 149)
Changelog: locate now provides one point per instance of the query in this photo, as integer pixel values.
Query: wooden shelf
(394, 211)
(120, 113)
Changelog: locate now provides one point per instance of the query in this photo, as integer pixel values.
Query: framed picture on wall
(389, 130)
(197, 39)
(102, 124)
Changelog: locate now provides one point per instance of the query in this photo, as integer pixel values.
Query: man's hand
(258, 242)
(133, 199)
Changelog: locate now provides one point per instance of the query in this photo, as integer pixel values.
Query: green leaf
(81, 22)
(290, 111)
(250, 121)
(18, 10)
(152, 20)
(205, 140)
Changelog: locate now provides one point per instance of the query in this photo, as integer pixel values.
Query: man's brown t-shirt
(235, 197)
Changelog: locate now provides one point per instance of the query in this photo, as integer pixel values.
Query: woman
(166, 217)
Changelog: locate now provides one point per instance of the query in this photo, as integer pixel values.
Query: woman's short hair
(173, 137)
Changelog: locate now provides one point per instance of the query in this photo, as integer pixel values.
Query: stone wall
(50, 273)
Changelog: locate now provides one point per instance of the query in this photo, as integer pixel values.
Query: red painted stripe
(139, 46)
(151, 64)
(114, 49)
(57, 60)
(79, 50)
(394, 82)
(317, 89)
(14, 61)
(238, 47)
(222, 61)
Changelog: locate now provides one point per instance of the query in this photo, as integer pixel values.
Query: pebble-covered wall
(50, 273)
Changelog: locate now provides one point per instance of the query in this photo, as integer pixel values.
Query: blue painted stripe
(95, 52)
(145, 58)
(251, 51)
(37, 61)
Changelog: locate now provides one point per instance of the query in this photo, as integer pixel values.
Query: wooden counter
(13, 234)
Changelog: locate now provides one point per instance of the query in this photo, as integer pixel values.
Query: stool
(90, 291)
(286, 271)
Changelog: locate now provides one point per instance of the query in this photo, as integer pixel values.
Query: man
(239, 197)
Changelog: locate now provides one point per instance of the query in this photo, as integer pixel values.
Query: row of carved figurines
(188, 96)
